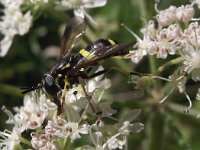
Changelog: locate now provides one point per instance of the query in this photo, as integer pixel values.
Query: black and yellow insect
(71, 67)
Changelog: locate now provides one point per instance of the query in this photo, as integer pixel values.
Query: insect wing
(72, 35)
(99, 54)
(110, 51)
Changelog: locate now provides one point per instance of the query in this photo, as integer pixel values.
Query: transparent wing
(97, 55)
(72, 35)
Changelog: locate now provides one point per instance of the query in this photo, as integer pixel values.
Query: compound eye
(49, 80)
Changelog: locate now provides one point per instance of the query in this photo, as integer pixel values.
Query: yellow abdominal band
(86, 54)
(111, 42)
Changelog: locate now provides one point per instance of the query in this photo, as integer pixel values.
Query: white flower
(46, 104)
(119, 132)
(168, 41)
(5, 45)
(77, 92)
(157, 41)
(114, 143)
(98, 82)
(178, 82)
(170, 15)
(185, 13)
(105, 109)
(97, 139)
(111, 143)
(69, 130)
(12, 23)
(142, 45)
(197, 2)
(74, 94)
(77, 4)
(33, 113)
(129, 128)
(76, 99)
(13, 3)
(8, 140)
(125, 127)
(137, 55)
(191, 34)
(191, 51)
(43, 141)
(80, 5)
(198, 95)
(61, 128)
(167, 16)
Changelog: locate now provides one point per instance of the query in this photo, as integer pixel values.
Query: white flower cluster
(166, 35)
(121, 129)
(191, 50)
(13, 22)
(80, 5)
(172, 14)
(83, 115)
(157, 41)
(16, 21)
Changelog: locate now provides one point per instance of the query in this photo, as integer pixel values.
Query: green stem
(156, 131)
(152, 63)
(180, 109)
(169, 63)
(84, 112)
(25, 141)
(66, 143)
(142, 7)
(18, 147)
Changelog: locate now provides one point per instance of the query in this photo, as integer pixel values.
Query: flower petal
(5, 45)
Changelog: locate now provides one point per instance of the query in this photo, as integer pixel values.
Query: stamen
(8, 112)
(156, 6)
(110, 139)
(161, 78)
(161, 101)
(196, 39)
(130, 31)
(100, 96)
(89, 17)
(190, 102)
(91, 134)
(195, 19)
(180, 78)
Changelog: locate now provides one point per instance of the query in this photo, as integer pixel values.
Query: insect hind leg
(84, 76)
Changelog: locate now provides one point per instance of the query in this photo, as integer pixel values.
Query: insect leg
(58, 103)
(95, 74)
(84, 76)
(64, 94)
(88, 97)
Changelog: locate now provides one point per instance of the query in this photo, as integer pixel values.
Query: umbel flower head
(80, 119)
(79, 6)
(157, 41)
(12, 23)
(191, 50)
(172, 14)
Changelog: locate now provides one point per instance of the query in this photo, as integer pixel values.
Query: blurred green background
(166, 126)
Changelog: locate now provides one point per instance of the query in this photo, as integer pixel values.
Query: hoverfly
(70, 66)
